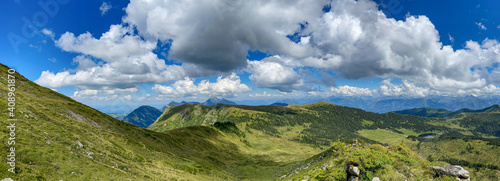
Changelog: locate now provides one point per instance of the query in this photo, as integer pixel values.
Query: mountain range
(58, 138)
(390, 104)
(444, 113)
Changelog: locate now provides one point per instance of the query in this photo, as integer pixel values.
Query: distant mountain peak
(494, 108)
(143, 116)
(217, 100)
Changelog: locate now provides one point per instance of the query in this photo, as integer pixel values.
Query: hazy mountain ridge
(443, 113)
(143, 116)
(390, 104)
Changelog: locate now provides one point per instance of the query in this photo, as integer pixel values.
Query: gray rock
(353, 178)
(125, 168)
(48, 142)
(375, 179)
(91, 154)
(79, 144)
(354, 171)
(453, 170)
(7, 179)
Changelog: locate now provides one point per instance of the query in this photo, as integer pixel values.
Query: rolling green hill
(320, 123)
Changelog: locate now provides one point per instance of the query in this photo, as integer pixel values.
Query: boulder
(375, 179)
(351, 171)
(452, 170)
(354, 171)
(7, 179)
(353, 178)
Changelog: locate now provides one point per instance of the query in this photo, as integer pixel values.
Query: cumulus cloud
(104, 8)
(127, 61)
(128, 97)
(351, 91)
(111, 46)
(218, 34)
(103, 94)
(226, 87)
(354, 40)
(273, 72)
(408, 89)
(358, 41)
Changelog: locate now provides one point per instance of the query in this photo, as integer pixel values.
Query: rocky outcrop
(351, 171)
(452, 170)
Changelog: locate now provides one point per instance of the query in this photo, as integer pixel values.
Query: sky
(157, 51)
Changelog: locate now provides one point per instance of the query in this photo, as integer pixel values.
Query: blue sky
(153, 52)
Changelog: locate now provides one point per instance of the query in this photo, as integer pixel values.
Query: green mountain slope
(482, 123)
(321, 123)
(426, 112)
(143, 116)
(396, 162)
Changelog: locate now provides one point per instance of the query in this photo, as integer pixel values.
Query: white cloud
(123, 74)
(272, 72)
(481, 25)
(409, 89)
(128, 97)
(452, 40)
(103, 94)
(405, 88)
(265, 94)
(53, 60)
(111, 46)
(356, 40)
(216, 34)
(351, 91)
(127, 61)
(104, 8)
(48, 33)
(227, 87)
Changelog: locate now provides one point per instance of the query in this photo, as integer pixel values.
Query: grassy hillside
(321, 123)
(396, 162)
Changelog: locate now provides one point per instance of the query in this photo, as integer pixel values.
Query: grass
(384, 136)
(396, 162)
